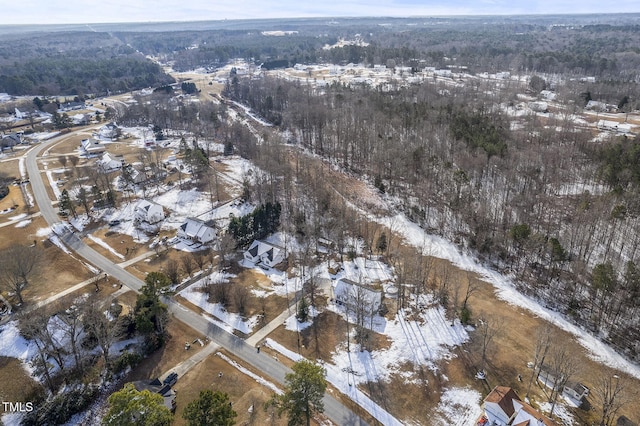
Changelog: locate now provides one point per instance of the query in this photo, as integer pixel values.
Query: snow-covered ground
(23, 223)
(560, 412)
(458, 407)
(292, 323)
(125, 214)
(13, 345)
(282, 284)
(225, 320)
(419, 342)
(182, 204)
(365, 271)
(342, 381)
(505, 289)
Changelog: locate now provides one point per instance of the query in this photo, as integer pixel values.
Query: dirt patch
(12, 204)
(17, 385)
(243, 391)
(59, 271)
(172, 353)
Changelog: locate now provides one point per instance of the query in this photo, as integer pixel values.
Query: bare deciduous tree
(563, 364)
(488, 328)
(105, 331)
(544, 337)
(225, 248)
(171, 270)
(62, 159)
(187, 264)
(30, 327)
(241, 298)
(18, 266)
(200, 258)
(612, 392)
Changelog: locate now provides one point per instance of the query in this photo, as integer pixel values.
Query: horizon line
(477, 15)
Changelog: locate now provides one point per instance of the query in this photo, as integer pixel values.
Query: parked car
(171, 379)
(114, 222)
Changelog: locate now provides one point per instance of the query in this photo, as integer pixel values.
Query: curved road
(334, 410)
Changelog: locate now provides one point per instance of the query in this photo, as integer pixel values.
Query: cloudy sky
(94, 11)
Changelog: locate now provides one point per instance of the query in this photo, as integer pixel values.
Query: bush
(127, 359)
(465, 316)
(60, 408)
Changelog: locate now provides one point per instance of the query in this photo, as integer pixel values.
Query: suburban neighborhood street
(271, 368)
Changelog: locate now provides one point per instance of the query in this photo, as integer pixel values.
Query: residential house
(108, 163)
(539, 106)
(91, 147)
(576, 391)
(350, 293)
(147, 211)
(131, 175)
(10, 140)
(71, 106)
(196, 230)
(264, 252)
(109, 131)
(614, 126)
(80, 119)
(503, 407)
(155, 386)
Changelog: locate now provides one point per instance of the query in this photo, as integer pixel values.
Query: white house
(196, 230)
(80, 119)
(539, 106)
(109, 164)
(131, 175)
(351, 293)
(614, 126)
(109, 131)
(147, 211)
(89, 147)
(264, 252)
(503, 407)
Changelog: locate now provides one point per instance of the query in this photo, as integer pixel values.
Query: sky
(99, 11)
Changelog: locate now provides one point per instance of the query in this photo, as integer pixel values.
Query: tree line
(540, 202)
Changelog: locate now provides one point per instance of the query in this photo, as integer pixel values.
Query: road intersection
(334, 410)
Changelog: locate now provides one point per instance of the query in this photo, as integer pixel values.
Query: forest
(73, 63)
(538, 201)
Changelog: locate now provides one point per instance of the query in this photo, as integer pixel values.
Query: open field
(66, 269)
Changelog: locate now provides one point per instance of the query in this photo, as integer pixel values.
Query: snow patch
(459, 407)
(228, 321)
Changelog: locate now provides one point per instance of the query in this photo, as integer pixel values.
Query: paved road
(334, 410)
